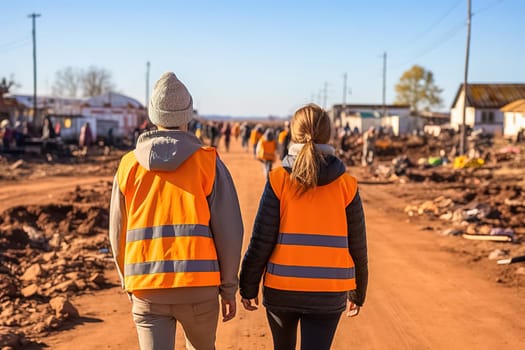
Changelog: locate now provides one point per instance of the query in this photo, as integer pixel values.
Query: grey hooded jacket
(166, 151)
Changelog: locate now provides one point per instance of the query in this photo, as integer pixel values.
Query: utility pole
(463, 141)
(384, 84)
(325, 94)
(34, 16)
(345, 77)
(343, 109)
(147, 84)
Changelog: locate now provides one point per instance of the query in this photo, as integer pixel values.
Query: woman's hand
(352, 309)
(247, 303)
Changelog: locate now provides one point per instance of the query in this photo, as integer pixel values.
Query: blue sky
(258, 58)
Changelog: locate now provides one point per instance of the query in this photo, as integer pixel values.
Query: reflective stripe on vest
(310, 271)
(171, 266)
(311, 253)
(140, 234)
(168, 242)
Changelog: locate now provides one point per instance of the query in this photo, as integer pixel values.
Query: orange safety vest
(168, 242)
(254, 137)
(282, 136)
(266, 150)
(311, 253)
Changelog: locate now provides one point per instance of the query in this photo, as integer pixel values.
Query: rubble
(479, 203)
(49, 253)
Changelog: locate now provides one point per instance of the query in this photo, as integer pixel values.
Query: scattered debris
(513, 260)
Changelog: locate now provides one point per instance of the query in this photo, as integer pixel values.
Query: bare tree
(416, 87)
(96, 81)
(7, 84)
(67, 82)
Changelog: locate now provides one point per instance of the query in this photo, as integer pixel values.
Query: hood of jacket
(165, 150)
(330, 169)
(269, 135)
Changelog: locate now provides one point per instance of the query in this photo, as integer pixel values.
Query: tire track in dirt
(41, 191)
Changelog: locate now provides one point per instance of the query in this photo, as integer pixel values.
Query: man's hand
(352, 309)
(228, 309)
(247, 303)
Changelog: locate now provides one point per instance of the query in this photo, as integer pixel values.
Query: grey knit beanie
(171, 105)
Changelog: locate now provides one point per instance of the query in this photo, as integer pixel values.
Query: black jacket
(264, 239)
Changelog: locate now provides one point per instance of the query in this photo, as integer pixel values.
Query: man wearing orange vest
(175, 227)
(265, 150)
(284, 140)
(255, 135)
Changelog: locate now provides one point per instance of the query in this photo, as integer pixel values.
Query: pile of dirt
(49, 253)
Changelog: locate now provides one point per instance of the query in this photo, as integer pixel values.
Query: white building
(513, 118)
(484, 103)
(403, 124)
(120, 113)
(114, 111)
(364, 116)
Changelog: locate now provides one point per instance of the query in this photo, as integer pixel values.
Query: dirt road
(420, 296)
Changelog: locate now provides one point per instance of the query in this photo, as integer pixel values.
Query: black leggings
(317, 330)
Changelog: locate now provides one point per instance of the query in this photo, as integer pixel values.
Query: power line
(440, 19)
(490, 5)
(449, 35)
(15, 42)
(15, 46)
(444, 39)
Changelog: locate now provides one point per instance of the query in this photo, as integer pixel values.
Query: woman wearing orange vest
(265, 151)
(308, 240)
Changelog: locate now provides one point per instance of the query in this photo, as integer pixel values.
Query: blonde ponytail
(310, 125)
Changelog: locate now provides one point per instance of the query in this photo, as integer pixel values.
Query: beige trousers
(156, 324)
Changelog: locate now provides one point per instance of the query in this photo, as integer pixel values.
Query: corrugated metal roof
(516, 107)
(491, 95)
(370, 106)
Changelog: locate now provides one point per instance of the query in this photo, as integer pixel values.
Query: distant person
(284, 140)
(48, 132)
(266, 148)
(111, 138)
(520, 136)
(308, 240)
(175, 228)
(245, 135)
(369, 146)
(215, 134)
(85, 139)
(236, 130)
(7, 134)
(20, 133)
(58, 129)
(255, 135)
(227, 132)
(347, 128)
